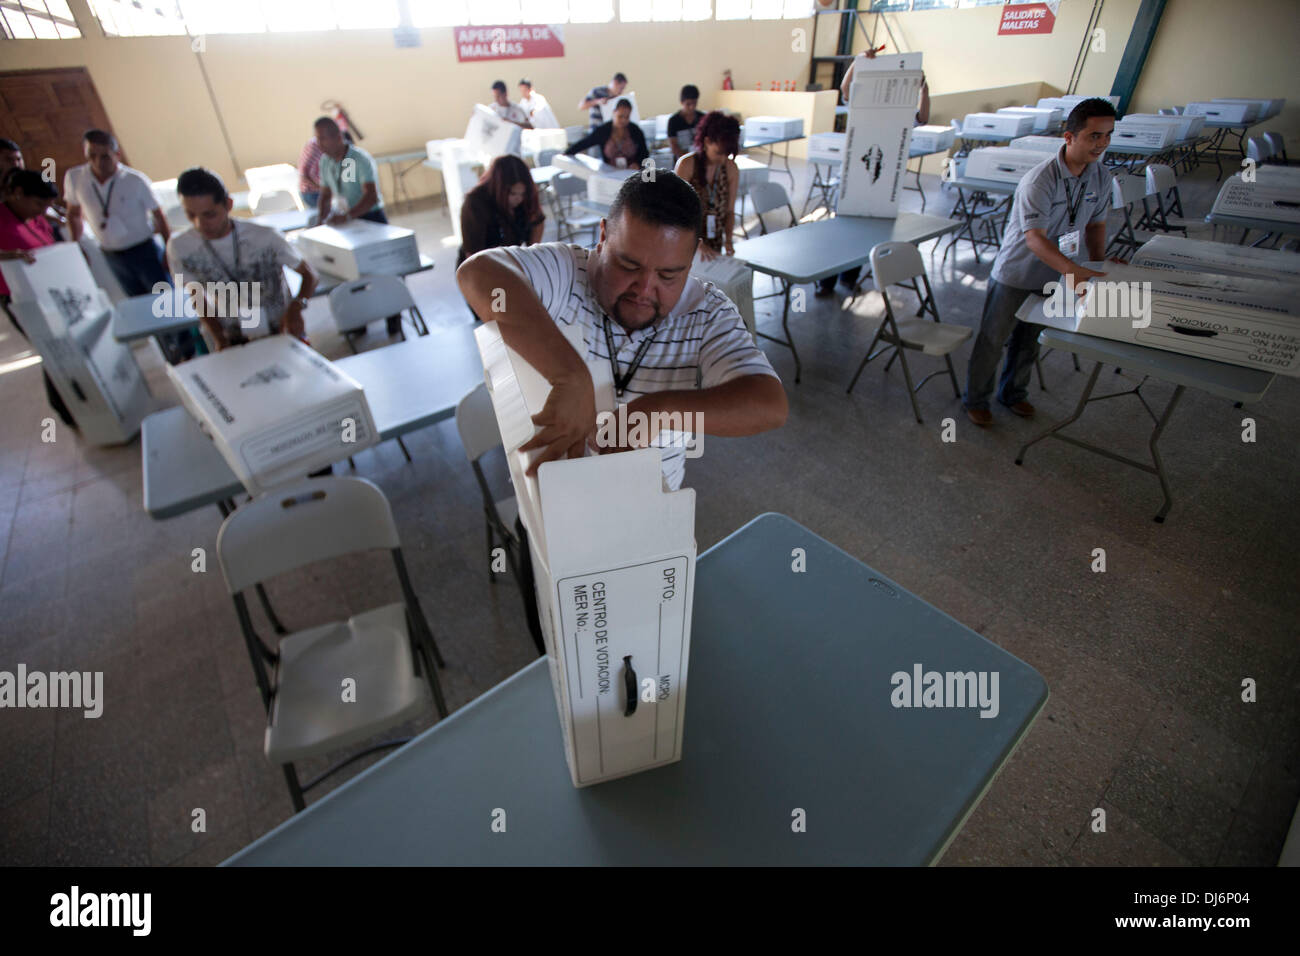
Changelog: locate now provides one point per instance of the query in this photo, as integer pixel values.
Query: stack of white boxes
(1131, 131)
(533, 141)
(773, 127)
(1003, 165)
(1225, 318)
(932, 139)
(1224, 113)
(603, 180)
(1267, 108)
(1273, 195)
(275, 408)
(826, 148)
(68, 320)
(360, 248)
(1045, 120)
(459, 166)
(1068, 101)
(1009, 125)
(1186, 126)
(613, 554)
(882, 110)
(1223, 258)
(1039, 144)
(490, 136)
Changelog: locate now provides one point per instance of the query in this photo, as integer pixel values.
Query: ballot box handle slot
(629, 686)
(1200, 333)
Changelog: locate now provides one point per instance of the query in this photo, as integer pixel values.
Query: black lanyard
(621, 381)
(104, 200)
(234, 241)
(1071, 203)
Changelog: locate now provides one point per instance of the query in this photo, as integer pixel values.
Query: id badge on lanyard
(1069, 244)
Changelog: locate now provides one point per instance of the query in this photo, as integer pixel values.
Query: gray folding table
(814, 250)
(408, 385)
(1232, 382)
(971, 194)
(789, 715)
(287, 220)
(1247, 223)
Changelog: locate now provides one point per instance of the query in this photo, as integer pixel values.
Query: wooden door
(46, 112)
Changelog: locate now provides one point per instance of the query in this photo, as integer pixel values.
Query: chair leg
(295, 790)
(492, 576)
(1038, 364)
(347, 337)
(1076, 362)
(952, 374)
(270, 611)
(911, 390)
(866, 358)
(402, 445)
(435, 685)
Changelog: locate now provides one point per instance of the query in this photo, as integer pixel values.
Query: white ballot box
(1038, 144)
(932, 139)
(1275, 194)
(826, 148)
(878, 135)
(1135, 132)
(607, 108)
(1186, 125)
(603, 180)
(614, 559)
(1201, 255)
(1044, 119)
(533, 141)
(1243, 321)
(999, 124)
(773, 127)
(360, 248)
(275, 408)
(1215, 112)
(490, 136)
(1265, 108)
(1002, 164)
(68, 319)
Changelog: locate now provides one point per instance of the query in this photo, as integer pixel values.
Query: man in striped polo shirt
(673, 344)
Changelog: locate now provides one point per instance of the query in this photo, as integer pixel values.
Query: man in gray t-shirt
(1058, 218)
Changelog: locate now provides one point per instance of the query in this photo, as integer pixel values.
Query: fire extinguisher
(726, 80)
(346, 124)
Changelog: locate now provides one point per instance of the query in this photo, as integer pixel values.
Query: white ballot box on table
(460, 173)
(533, 141)
(878, 135)
(100, 268)
(607, 108)
(734, 279)
(1201, 255)
(975, 125)
(68, 319)
(613, 555)
(1002, 164)
(1234, 113)
(1266, 108)
(603, 180)
(932, 139)
(1136, 132)
(360, 248)
(1274, 194)
(1038, 144)
(826, 148)
(1044, 119)
(490, 136)
(1186, 125)
(276, 409)
(1253, 323)
(773, 127)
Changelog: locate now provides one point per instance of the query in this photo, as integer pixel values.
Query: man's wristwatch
(301, 302)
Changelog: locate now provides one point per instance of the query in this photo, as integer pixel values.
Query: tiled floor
(1145, 662)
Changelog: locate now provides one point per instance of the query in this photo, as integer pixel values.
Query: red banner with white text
(515, 42)
(1020, 17)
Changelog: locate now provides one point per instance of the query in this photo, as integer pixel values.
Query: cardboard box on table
(1044, 119)
(1140, 133)
(975, 125)
(826, 148)
(360, 248)
(878, 135)
(1214, 112)
(1266, 108)
(1037, 144)
(1223, 258)
(1254, 323)
(1186, 125)
(614, 559)
(932, 139)
(1002, 164)
(773, 127)
(275, 408)
(1275, 195)
(68, 319)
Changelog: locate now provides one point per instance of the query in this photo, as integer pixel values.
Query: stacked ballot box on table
(1201, 255)
(276, 409)
(773, 127)
(1273, 194)
(878, 135)
(1186, 125)
(1002, 164)
(68, 320)
(489, 136)
(607, 108)
(1265, 108)
(1238, 320)
(360, 248)
(826, 148)
(603, 180)
(1234, 114)
(533, 141)
(1145, 135)
(613, 555)
(1038, 144)
(1044, 119)
(932, 139)
(976, 125)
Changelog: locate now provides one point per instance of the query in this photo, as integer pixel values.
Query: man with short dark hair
(536, 106)
(681, 125)
(1058, 216)
(219, 252)
(11, 156)
(602, 94)
(510, 112)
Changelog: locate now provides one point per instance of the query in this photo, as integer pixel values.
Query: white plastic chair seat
(309, 715)
(932, 338)
(355, 304)
(275, 200)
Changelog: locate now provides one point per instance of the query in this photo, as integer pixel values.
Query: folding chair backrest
(545, 156)
(1258, 149)
(894, 262)
(1126, 189)
(566, 184)
(1165, 112)
(312, 520)
(355, 303)
(1160, 179)
(768, 197)
(477, 423)
(1276, 144)
(275, 200)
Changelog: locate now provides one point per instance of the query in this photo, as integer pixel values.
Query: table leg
(788, 341)
(1078, 410)
(1155, 454)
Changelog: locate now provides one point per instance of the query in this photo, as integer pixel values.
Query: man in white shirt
(240, 266)
(537, 107)
(118, 204)
(510, 112)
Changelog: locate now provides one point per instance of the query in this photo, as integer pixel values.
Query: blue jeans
(310, 200)
(997, 325)
(138, 269)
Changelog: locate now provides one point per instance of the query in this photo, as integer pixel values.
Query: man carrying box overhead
(1058, 215)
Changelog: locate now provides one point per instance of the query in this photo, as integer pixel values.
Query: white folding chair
(768, 198)
(276, 200)
(389, 652)
(1162, 191)
(1277, 145)
(355, 304)
(565, 188)
(899, 263)
(477, 423)
(545, 156)
(1125, 192)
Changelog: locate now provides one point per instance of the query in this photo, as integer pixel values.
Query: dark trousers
(138, 269)
(379, 216)
(51, 393)
(849, 277)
